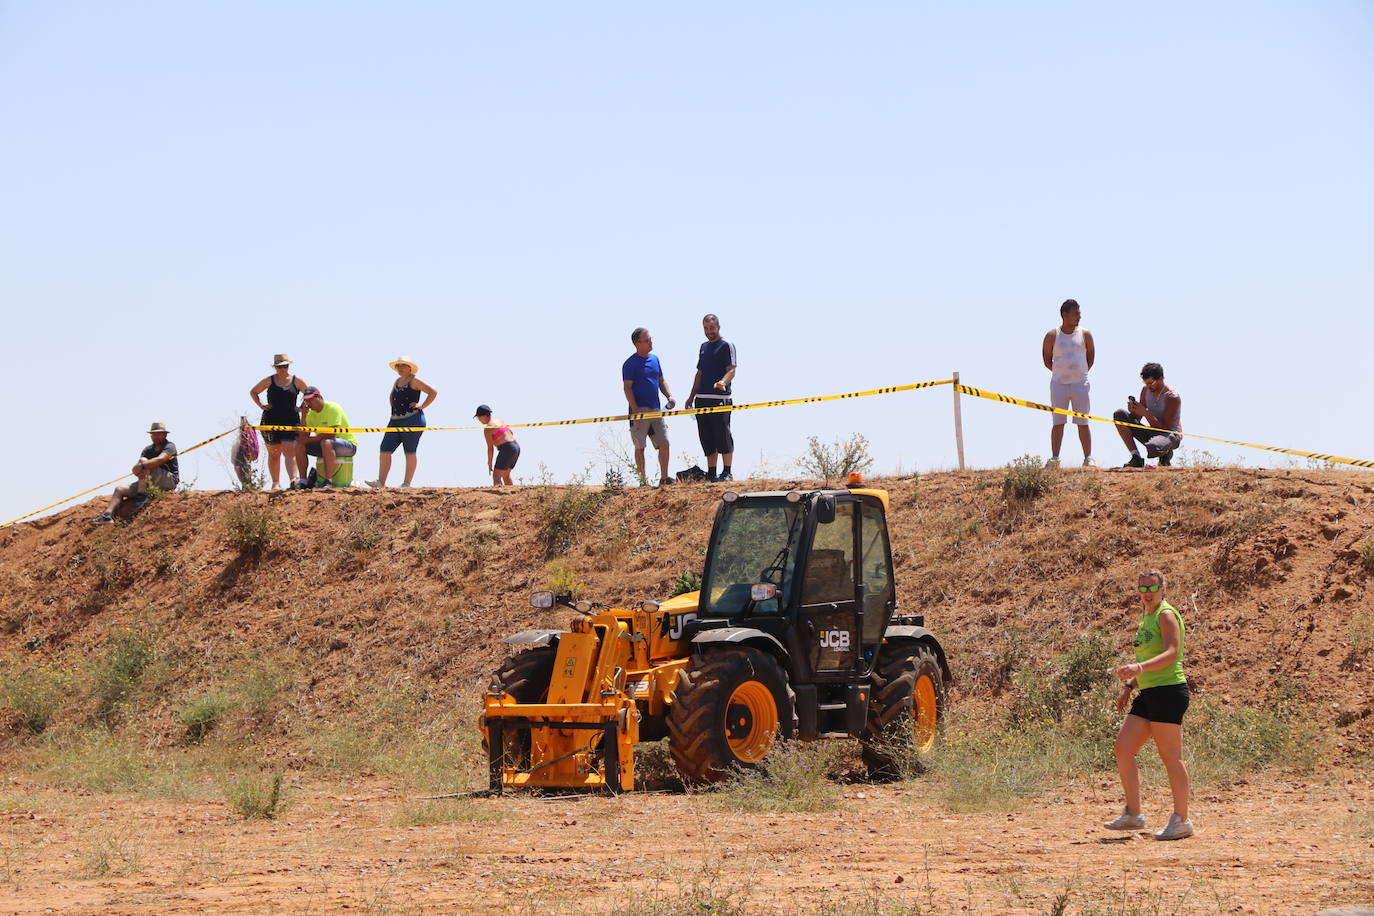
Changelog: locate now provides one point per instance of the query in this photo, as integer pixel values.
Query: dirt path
(1270, 847)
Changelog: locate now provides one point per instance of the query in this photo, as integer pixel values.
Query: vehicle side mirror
(541, 600)
(825, 509)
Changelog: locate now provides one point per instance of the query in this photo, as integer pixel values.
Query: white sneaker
(1126, 821)
(1052, 463)
(1176, 829)
(1088, 462)
(375, 484)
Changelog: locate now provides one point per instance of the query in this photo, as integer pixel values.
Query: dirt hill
(361, 589)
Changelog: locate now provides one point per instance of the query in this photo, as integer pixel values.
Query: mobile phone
(1131, 398)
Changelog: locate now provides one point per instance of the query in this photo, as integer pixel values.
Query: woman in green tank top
(1157, 711)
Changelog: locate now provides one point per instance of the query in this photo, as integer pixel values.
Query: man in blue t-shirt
(711, 388)
(643, 377)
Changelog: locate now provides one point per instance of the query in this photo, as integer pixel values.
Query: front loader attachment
(581, 733)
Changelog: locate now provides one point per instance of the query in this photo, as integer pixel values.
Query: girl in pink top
(500, 441)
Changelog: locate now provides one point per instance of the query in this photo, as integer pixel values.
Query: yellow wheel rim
(924, 713)
(751, 721)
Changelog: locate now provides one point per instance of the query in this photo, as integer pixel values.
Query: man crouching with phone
(1161, 408)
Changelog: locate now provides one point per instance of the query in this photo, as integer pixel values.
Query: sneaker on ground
(405, 484)
(1166, 459)
(376, 484)
(102, 519)
(326, 484)
(1088, 462)
(1176, 829)
(711, 475)
(664, 481)
(726, 475)
(1052, 462)
(1126, 821)
(1135, 462)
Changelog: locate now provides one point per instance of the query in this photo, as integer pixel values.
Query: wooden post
(958, 423)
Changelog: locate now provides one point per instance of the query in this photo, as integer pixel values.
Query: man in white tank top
(1068, 353)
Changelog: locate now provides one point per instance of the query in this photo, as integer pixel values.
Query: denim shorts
(342, 448)
(408, 441)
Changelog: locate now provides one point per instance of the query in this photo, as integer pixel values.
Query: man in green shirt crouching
(328, 447)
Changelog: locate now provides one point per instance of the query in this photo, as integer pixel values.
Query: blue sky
(867, 194)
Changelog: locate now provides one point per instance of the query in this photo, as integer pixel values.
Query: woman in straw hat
(406, 411)
(282, 409)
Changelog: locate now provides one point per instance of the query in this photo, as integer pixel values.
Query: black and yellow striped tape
(725, 408)
(110, 483)
(1007, 399)
(646, 415)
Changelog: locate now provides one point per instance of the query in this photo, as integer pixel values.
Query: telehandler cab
(794, 634)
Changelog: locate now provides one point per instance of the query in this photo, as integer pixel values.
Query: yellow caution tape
(726, 408)
(646, 415)
(1007, 399)
(101, 486)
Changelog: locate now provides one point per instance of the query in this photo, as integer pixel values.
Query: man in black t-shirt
(157, 464)
(711, 388)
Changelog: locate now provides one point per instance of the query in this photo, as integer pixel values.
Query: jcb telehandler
(794, 634)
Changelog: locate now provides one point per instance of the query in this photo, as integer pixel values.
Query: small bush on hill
(35, 694)
(107, 855)
(200, 715)
(116, 674)
(249, 527)
(562, 579)
(563, 512)
(836, 460)
(1367, 555)
(1027, 478)
(684, 583)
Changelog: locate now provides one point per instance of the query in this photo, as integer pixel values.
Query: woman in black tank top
(406, 413)
(283, 391)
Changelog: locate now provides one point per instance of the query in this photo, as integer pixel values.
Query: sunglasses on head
(1148, 588)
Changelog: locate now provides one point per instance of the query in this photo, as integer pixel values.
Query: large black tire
(906, 712)
(729, 709)
(525, 676)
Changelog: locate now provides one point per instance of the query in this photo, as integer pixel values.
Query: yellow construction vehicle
(794, 634)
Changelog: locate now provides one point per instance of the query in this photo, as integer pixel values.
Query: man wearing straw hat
(157, 464)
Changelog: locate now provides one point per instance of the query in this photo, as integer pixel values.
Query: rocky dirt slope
(361, 589)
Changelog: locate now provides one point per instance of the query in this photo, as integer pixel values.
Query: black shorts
(278, 437)
(1162, 704)
(713, 429)
(507, 453)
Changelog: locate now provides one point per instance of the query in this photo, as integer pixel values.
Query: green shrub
(256, 796)
(1367, 555)
(794, 777)
(1224, 743)
(250, 527)
(92, 760)
(199, 715)
(836, 460)
(684, 583)
(563, 579)
(35, 694)
(1027, 478)
(564, 512)
(115, 676)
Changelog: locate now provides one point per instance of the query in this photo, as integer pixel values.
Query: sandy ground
(1269, 847)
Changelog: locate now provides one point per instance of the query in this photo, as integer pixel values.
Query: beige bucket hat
(158, 428)
(280, 359)
(407, 361)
